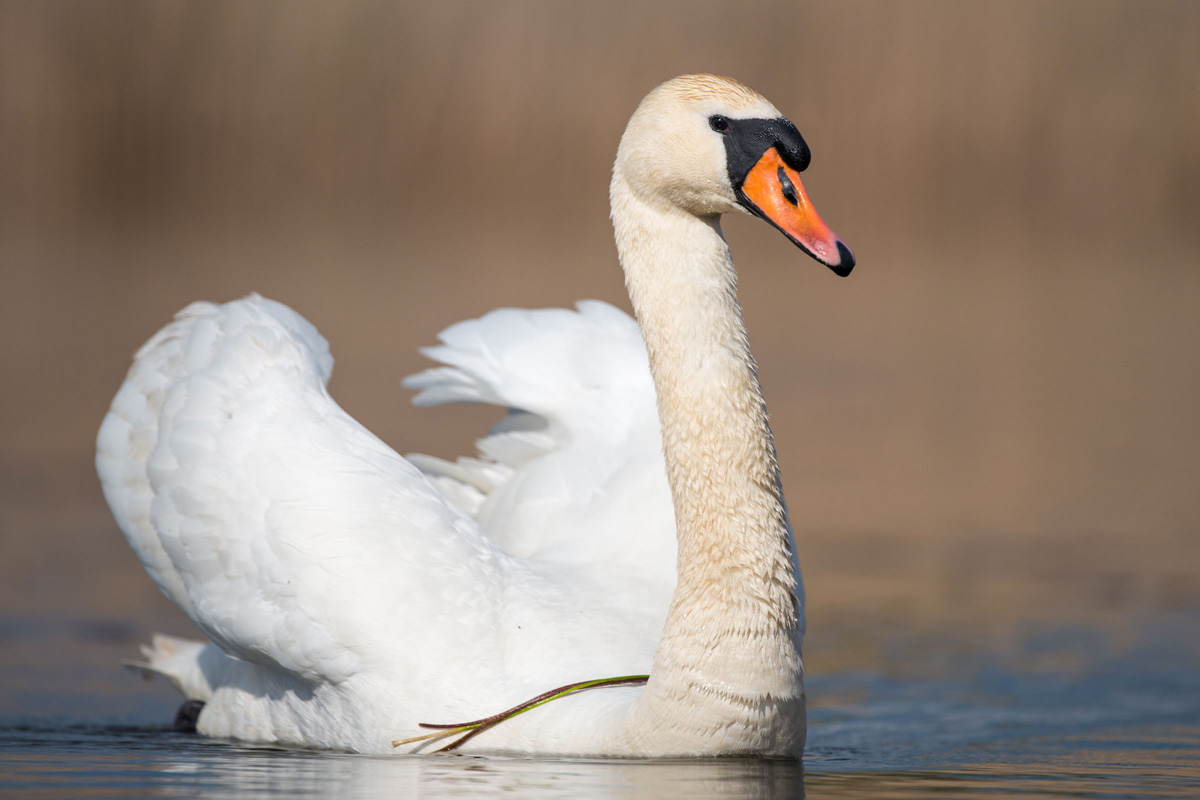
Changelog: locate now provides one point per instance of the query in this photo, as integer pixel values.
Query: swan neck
(734, 626)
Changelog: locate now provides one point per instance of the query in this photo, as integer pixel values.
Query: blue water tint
(1096, 720)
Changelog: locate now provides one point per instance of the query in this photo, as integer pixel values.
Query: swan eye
(718, 123)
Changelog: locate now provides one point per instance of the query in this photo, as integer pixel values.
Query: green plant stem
(478, 726)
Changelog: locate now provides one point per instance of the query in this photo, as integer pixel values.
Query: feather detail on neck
(729, 659)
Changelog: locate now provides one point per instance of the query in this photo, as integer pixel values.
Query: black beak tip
(845, 262)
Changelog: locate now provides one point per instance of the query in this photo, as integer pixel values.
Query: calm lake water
(1064, 711)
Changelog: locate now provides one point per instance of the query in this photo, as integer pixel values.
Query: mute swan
(350, 593)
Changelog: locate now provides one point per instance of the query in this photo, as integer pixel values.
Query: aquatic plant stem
(478, 726)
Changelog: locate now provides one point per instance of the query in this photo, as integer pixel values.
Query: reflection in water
(145, 762)
(1146, 761)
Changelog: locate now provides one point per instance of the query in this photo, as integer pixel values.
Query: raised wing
(574, 474)
(291, 535)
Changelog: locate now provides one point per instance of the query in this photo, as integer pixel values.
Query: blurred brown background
(997, 417)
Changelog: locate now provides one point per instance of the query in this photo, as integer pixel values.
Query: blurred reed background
(996, 417)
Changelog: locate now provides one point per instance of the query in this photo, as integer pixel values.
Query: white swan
(350, 593)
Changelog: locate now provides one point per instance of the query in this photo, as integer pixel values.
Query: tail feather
(178, 660)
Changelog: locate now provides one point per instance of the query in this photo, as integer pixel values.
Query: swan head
(709, 145)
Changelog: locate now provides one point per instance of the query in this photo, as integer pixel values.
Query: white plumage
(580, 452)
(306, 547)
(350, 593)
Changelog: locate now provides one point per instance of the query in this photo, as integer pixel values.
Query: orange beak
(773, 191)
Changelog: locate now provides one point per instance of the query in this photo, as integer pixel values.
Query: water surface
(1065, 712)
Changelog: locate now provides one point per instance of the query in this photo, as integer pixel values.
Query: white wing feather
(261, 508)
(575, 473)
(347, 592)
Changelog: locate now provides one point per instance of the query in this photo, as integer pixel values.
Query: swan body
(626, 517)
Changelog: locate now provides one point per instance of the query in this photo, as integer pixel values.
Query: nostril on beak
(787, 187)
